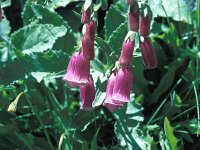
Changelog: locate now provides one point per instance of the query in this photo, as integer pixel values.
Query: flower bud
(78, 70)
(127, 52)
(144, 25)
(148, 54)
(87, 94)
(133, 20)
(130, 2)
(87, 48)
(86, 14)
(1, 15)
(90, 30)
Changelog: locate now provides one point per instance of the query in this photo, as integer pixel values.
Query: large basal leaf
(117, 37)
(37, 37)
(126, 127)
(19, 68)
(112, 20)
(178, 10)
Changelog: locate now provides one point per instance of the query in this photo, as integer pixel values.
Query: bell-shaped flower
(77, 71)
(127, 52)
(88, 48)
(123, 85)
(144, 25)
(87, 94)
(109, 103)
(118, 88)
(133, 20)
(148, 53)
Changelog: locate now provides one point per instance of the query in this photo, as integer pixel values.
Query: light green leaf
(178, 9)
(37, 37)
(172, 140)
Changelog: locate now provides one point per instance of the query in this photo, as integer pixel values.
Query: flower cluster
(142, 22)
(120, 81)
(78, 70)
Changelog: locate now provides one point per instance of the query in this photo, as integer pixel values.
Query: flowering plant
(99, 74)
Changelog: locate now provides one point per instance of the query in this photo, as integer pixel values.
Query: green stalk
(40, 121)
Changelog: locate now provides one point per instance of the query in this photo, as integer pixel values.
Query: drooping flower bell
(127, 49)
(145, 22)
(118, 88)
(130, 2)
(87, 94)
(109, 103)
(77, 71)
(86, 13)
(133, 18)
(148, 53)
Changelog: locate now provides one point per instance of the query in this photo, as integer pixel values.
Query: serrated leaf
(126, 127)
(117, 37)
(37, 37)
(112, 20)
(19, 68)
(173, 141)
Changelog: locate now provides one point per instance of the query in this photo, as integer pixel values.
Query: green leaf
(51, 61)
(100, 96)
(117, 37)
(193, 126)
(45, 16)
(178, 10)
(127, 127)
(173, 141)
(112, 20)
(97, 65)
(37, 37)
(5, 3)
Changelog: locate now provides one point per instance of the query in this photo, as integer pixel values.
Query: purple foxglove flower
(144, 25)
(87, 94)
(127, 52)
(148, 54)
(123, 85)
(133, 20)
(1, 15)
(130, 2)
(86, 16)
(118, 88)
(77, 71)
(109, 103)
(90, 30)
(88, 48)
